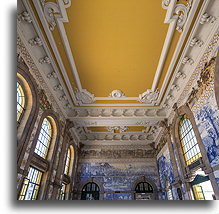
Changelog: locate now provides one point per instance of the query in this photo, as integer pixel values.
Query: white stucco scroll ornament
(117, 94)
(149, 96)
(84, 96)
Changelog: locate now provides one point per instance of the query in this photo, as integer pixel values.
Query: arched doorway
(90, 191)
(144, 189)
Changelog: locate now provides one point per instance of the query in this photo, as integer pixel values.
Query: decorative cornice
(36, 74)
(45, 59)
(196, 42)
(206, 18)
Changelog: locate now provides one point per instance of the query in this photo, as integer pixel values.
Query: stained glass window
(44, 139)
(191, 151)
(62, 192)
(31, 185)
(20, 102)
(67, 162)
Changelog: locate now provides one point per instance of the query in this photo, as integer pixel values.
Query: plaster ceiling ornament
(24, 16)
(52, 11)
(206, 18)
(182, 11)
(84, 96)
(57, 87)
(45, 59)
(187, 60)
(116, 94)
(175, 87)
(180, 75)
(149, 96)
(177, 11)
(35, 41)
(196, 42)
(52, 75)
(118, 128)
(165, 4)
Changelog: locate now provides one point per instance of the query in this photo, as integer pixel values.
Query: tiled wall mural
(166, 172)
(206, 115)
(118, 176)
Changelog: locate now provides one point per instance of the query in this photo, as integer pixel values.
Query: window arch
(90, 191)
(21, 98)
(189, 143)
(44, 138)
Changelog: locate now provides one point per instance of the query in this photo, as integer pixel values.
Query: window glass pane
(20, 101)
(31, 185)
(67, 162)
(188, 140)
(44, 139)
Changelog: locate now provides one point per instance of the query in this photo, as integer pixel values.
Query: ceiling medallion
(149, 96)
(116, 94)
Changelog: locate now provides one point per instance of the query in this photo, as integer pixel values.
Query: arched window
(169, 191)
(90, 191)
(191, 151)
(31, 185)
(44, 139)
(20, 102)
(67, 162)
(143, 187)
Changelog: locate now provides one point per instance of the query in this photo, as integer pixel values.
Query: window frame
(188, 141)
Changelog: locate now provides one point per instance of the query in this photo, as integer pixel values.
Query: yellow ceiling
(130, 129)
(116, 44)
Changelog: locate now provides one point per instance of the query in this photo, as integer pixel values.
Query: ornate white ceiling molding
(24, 16)
(22, 51)
(52, 14)
(149, 96)
(206, 18)
(36, 41)
(117, 128)
(83, 96)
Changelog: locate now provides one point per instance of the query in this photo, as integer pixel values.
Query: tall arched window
(44, 139)
(191, 151)
(67, 173)
(31, 185)
(90, 191)
(20, 102)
